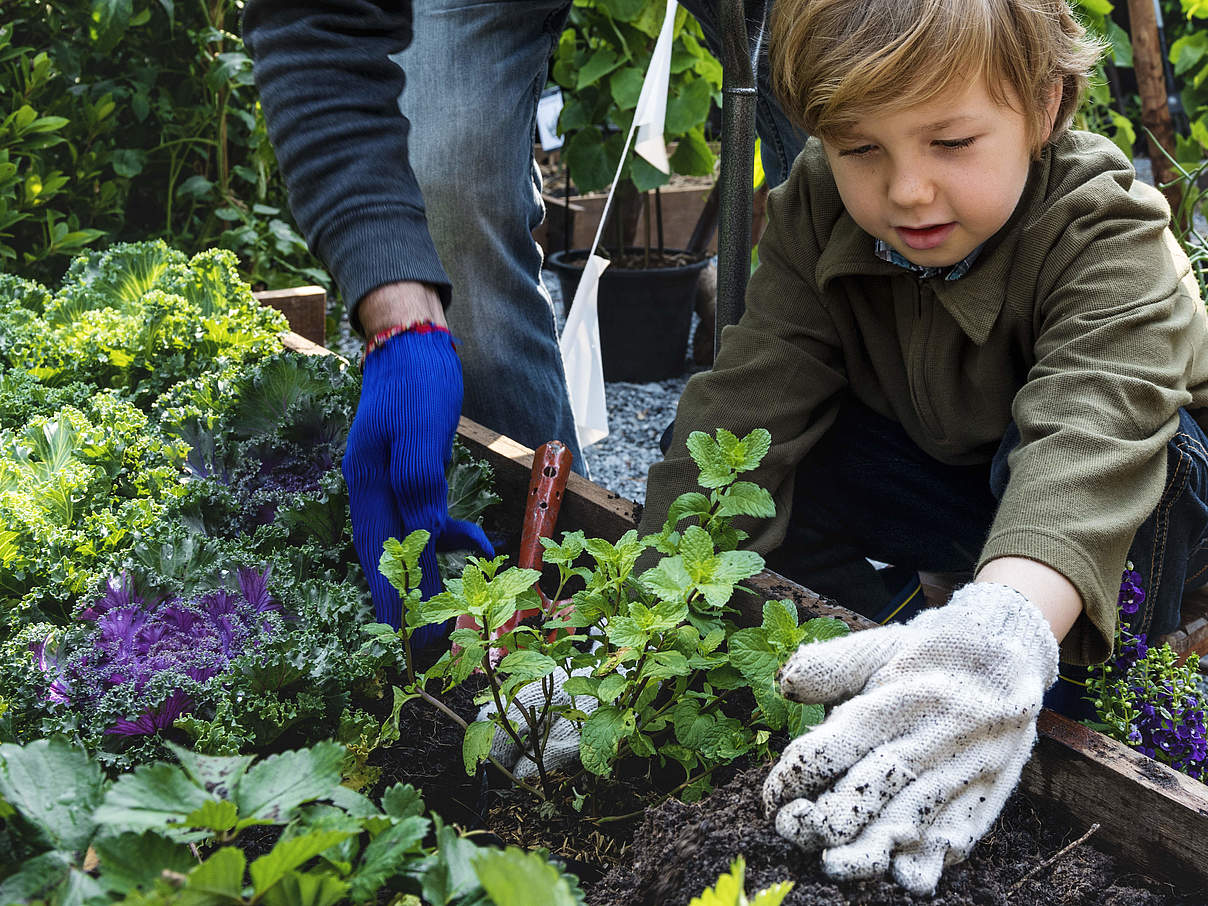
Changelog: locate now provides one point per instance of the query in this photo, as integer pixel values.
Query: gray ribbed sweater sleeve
(330, 98)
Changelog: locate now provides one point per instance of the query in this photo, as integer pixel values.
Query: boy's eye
(955, 143)
(863, 149)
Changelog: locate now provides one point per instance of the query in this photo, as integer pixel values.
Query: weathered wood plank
(1148, 813)
(305, 307)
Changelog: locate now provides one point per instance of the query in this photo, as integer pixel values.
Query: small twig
(1051, 859)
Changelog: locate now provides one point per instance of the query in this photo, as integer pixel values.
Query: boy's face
(937, 180)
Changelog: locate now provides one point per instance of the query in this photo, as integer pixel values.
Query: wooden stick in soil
(1050, 860)
(1151, 85)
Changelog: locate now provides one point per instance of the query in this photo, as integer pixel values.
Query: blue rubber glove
(398, 446)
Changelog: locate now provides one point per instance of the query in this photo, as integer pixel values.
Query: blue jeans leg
(474, 72)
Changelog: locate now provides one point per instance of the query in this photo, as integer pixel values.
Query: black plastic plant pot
(645, 314)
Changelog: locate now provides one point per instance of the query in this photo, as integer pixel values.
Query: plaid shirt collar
(886, 252)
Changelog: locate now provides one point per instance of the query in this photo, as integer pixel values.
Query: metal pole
(737, 166)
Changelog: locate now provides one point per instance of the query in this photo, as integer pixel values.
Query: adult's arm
(330, 91)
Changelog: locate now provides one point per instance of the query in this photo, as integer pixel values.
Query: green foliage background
(125, 120)
(137, 119)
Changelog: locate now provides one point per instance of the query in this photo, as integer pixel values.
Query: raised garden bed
(1147, 814)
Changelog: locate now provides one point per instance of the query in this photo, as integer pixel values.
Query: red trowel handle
(547, 482)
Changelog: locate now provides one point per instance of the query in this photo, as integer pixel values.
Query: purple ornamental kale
(137, 640)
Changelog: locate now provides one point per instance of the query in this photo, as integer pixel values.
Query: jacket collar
(974, 301)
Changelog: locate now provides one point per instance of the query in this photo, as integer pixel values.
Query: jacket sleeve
(1119, 328)
(779, 368)
(330, 92)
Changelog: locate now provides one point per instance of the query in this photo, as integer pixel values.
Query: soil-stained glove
(562, 739)
(398, 446)
(937, 721)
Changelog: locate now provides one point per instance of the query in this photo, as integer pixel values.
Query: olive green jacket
(1079, 319)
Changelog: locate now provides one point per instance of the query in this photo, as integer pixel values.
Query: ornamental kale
(149, 654)
(1146, 699)
(139, 318)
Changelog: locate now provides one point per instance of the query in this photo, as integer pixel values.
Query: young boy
(976, 345)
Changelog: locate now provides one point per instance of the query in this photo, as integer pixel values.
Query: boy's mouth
(928, 237)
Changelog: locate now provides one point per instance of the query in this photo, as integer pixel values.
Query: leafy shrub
(135, 120)
(664, 655)
(601, 61)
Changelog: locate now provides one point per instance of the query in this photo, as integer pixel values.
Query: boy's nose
(910, 188)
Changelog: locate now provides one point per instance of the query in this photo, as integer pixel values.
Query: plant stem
(456, 718)
(529, 717)
(609, 819)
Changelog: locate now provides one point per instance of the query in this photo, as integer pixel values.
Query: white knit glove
(562, 740)
(938, 719)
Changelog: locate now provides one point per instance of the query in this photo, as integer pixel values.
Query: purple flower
(1131, 594)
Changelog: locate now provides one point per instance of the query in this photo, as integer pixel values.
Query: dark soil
(679, 850)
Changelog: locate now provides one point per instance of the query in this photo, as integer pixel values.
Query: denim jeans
(474, 73)
(868, 491)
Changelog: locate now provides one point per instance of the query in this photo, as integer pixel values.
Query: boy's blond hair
(836, 61)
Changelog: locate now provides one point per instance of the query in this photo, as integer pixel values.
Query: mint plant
(646, 659)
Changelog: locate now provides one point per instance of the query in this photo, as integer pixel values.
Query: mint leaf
(734, 566)
(476, 744)
(780, 624)
(624, 632)
(602, 734)
(692, 503)
(611, 686)
(755, 448)
(820, 629)
(665, 664)
(715, 472)
(669, 580)
(696, 548)
(744, 498)
(527, 664)
(399, 562)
